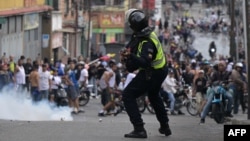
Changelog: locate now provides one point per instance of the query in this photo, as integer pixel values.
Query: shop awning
(25, 10)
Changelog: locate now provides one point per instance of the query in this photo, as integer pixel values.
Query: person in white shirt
(44, 82)
(176, 39)
(123, 84)
(40, 63)
(20, 76)
(169, 89)
(55, 82)
(83, 80)
(107, 83)
(213, 21)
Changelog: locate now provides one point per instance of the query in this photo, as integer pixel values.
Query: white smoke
(16, 106)
(202, 42)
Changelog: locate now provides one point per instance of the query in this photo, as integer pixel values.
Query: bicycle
(144, 103)
(191, 106)
(84, 96)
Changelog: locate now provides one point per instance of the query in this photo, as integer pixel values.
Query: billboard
(108, 20)
(148, 4)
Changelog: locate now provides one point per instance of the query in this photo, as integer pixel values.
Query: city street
(202, 40)
(43, 123)
(88, 127)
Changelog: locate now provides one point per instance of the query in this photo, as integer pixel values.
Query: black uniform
(148, 80)
(144, 52)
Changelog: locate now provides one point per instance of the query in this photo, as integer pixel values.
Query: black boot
(164, 129)
(138, 132)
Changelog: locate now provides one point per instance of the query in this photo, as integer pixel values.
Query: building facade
(108, 20)
(68, 29)
(21, 27)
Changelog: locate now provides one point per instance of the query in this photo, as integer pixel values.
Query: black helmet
(136, 19)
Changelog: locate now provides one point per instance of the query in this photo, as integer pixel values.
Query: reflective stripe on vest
(160, 59)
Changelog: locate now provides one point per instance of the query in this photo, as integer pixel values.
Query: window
(81, 5)
(66, 8)
(118, 2)
(102, 38)
(65, 44)
(109, 2)
(56, 5)
(73, 6)
(118, 37)
(49, 2)
(31, 35)
(99, 2)
(86, 5)
(0, 26)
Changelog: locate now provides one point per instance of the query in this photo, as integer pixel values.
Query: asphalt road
(87, 127)
(202, 40)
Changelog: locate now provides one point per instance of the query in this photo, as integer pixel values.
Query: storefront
(108, 27)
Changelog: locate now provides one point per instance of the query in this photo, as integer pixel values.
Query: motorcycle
(180, 97)
(61, 98)
(218, 102)
(212, 50)
(84, 96)
(190, 102)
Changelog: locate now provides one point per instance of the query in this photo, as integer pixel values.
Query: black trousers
(139, 86)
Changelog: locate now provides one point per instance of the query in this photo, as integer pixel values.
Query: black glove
(130, 64)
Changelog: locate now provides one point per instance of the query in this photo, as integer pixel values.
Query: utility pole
(232, 34)
(238, 18)
(76, 25)
(246, 19)
(89, 26)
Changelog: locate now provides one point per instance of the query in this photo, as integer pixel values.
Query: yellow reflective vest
(160, 59)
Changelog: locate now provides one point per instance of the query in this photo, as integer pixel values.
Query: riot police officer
(145, 54)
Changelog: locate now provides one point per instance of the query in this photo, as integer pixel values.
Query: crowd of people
(41, 79)
(189, 66)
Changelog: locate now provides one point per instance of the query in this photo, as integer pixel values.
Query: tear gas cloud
(201, 43)
(18, 106)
